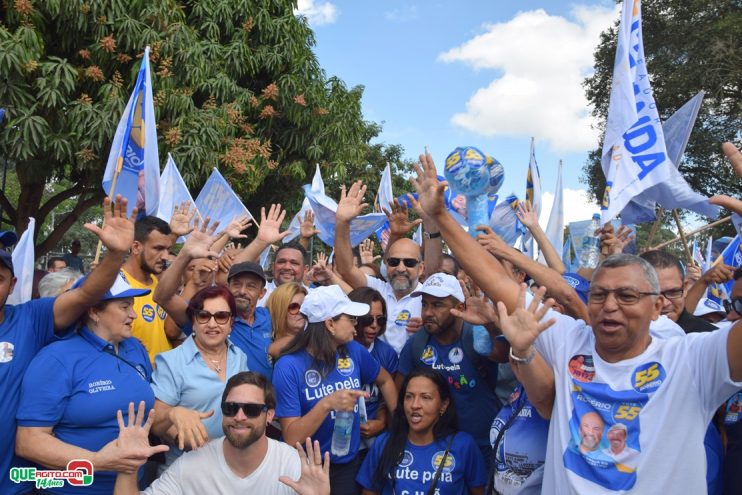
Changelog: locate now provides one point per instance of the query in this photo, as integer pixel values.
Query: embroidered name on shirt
(100, 386)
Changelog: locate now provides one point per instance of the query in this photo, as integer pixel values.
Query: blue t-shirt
(387, 358)
(300, 386)
(25, 330)
(464, 467)
(476, 402)
(76, 386)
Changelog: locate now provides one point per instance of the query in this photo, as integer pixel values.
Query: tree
(236, 85)
(690, 45)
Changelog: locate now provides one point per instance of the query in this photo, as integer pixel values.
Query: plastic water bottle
(590, 255)
(341, 433)
(482, 340)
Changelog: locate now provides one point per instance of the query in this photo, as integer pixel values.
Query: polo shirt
(399, 312)
(149, 327)
(77, 385)
(25, 330)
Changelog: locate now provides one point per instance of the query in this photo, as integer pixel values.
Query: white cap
(325, 303)
(441, 285)
(707, 306)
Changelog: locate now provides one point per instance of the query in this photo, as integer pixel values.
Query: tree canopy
(236, 86)
(690, 45)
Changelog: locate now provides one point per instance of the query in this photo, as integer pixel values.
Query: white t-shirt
(270, 287)
(398, 312)
(666, 397)
(206, 471)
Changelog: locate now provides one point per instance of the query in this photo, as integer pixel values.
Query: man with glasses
(243, 461)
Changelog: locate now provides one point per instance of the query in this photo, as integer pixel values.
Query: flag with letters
(133, 164)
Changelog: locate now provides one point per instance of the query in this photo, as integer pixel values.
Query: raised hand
(527, 214)
(399, 221)
(524, 325)
(180, 222)
(315, 473)
(735, 159)
(320, 272)
(306, 229)
(366, 250)
(270, 225)
(117, 233)
(718, 274)
(430, 192)
(237, 226)
(478, 310)
(199, 242)
(491, 241)
(351, 202)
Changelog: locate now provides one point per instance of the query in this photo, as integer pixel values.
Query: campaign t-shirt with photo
(399, 312)
(463, 469)
(300, 386)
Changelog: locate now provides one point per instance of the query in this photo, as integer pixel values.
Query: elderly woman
(73, 388)
(54, 283)
(188, 381)
(284, 305)
(322, 371)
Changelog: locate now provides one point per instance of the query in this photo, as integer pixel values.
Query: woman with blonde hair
(283, 305)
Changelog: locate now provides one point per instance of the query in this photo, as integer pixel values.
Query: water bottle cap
(596, 216)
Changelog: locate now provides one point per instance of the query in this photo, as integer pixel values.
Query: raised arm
(399, 221)
(350, 206)
(432, 242)
(307, 230)
(718, 274)
(268, 233)
(528, 217)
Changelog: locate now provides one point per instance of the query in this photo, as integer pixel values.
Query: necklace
(215, 363)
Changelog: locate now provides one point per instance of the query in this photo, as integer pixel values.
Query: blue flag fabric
(505, 223)
(133, 163)
(219, 202)
(731, 256)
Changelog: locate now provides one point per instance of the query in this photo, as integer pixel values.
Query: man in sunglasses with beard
(243, 461)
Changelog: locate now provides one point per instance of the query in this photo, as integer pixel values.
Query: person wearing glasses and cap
(322, 371)
(73, 388)
(244, 460)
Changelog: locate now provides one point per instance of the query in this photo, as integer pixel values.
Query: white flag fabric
(173, 190)
(504, 222)
(133, 154)
(634, 156)
(555, 227)
(418, 235)
(23, 265)
(318, 186)
(384, 196)
(533, 196)
(708, 263)
(218, 201)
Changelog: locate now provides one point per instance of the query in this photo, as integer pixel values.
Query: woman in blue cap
(74, 387)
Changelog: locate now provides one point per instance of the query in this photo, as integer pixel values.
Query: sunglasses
(250, 410)
(408, 262)
(294, 308)
(734, 304)
(368, 320)
(221, 317)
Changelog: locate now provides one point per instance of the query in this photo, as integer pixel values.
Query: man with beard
(243, 461)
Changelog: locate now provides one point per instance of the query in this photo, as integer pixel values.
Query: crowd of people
(478, 370)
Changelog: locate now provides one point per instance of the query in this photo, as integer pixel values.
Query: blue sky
(489, 74)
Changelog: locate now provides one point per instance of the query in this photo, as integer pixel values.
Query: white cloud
(541, 61)
(404, 14)
(317, 13)
(577, 206)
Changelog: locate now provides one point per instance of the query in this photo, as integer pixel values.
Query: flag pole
(655, 226)
(693, 232)
(688, 256)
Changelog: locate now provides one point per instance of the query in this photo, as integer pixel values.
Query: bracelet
(432, 235)
(525, 360)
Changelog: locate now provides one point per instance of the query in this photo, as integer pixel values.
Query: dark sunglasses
(408, 262)
(734, 304)
(294, 308)
(221, 317)
(368, 320)
(229, 409)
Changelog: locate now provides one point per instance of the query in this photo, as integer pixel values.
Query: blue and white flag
(384, 196)
(265, 256)
(569, 263)
(634, 156)
(731, 256)
(324, 215)
(173, 191)
(697, 255)
(709, 250)
(133, 167)
(505, 223)
(318, 186)
(219, 202)
(674, 193)
(418, 235)
(23, 265)
(577, 231)
(533, 196)
(555, 227)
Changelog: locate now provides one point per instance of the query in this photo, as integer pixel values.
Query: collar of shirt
(98, 343)
(260, 316)
(191, 351)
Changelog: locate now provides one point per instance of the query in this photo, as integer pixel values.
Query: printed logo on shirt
(161, 313)
(648, 377)
(101, 386)
(312, 378)
(456, 355)
(582, 368)
(148, 313)
(6, 352)
(407, 459)
(733, 412)
(79, 472)
(430, 355)
(449, 465)
(346, 366)
(403, 317)
(573, 282)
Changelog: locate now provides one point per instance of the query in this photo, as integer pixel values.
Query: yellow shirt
(149, 327)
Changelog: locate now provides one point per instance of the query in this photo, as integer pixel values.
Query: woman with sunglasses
(422, 452)
(188, 381)
(283, 305)
(73, 388)
(368, 330)
(321, 372)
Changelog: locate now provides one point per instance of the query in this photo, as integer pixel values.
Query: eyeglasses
(368, 320)
(624, 296)
(294, 308)
(408, 262)
(733, 305)
(672, 293)
(229, 409)
(352, 319)
(221, 317)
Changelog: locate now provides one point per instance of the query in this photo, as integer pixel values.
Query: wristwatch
(432, 235)
(523, 360)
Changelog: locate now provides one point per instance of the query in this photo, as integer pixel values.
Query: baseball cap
(580, 284)
(8, 238)
(324, 303)
(247, 267)
(441, 285)
(7, 259)
(707, 306)
(119, 290)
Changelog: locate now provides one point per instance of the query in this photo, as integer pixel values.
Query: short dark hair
(293, 245)
(196, 303)
(252, 378)
(456, 266)
(54, 259)
(145, 225)
(662, 259)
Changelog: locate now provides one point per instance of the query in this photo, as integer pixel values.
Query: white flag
(555, 227)
(23, 265)
(533, 196)
(384, 196)
(318, 186)
(173, 190)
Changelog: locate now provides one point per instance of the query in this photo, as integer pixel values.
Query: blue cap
(8, 238)
(7, 259)
(580, 284)
(119, 290)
